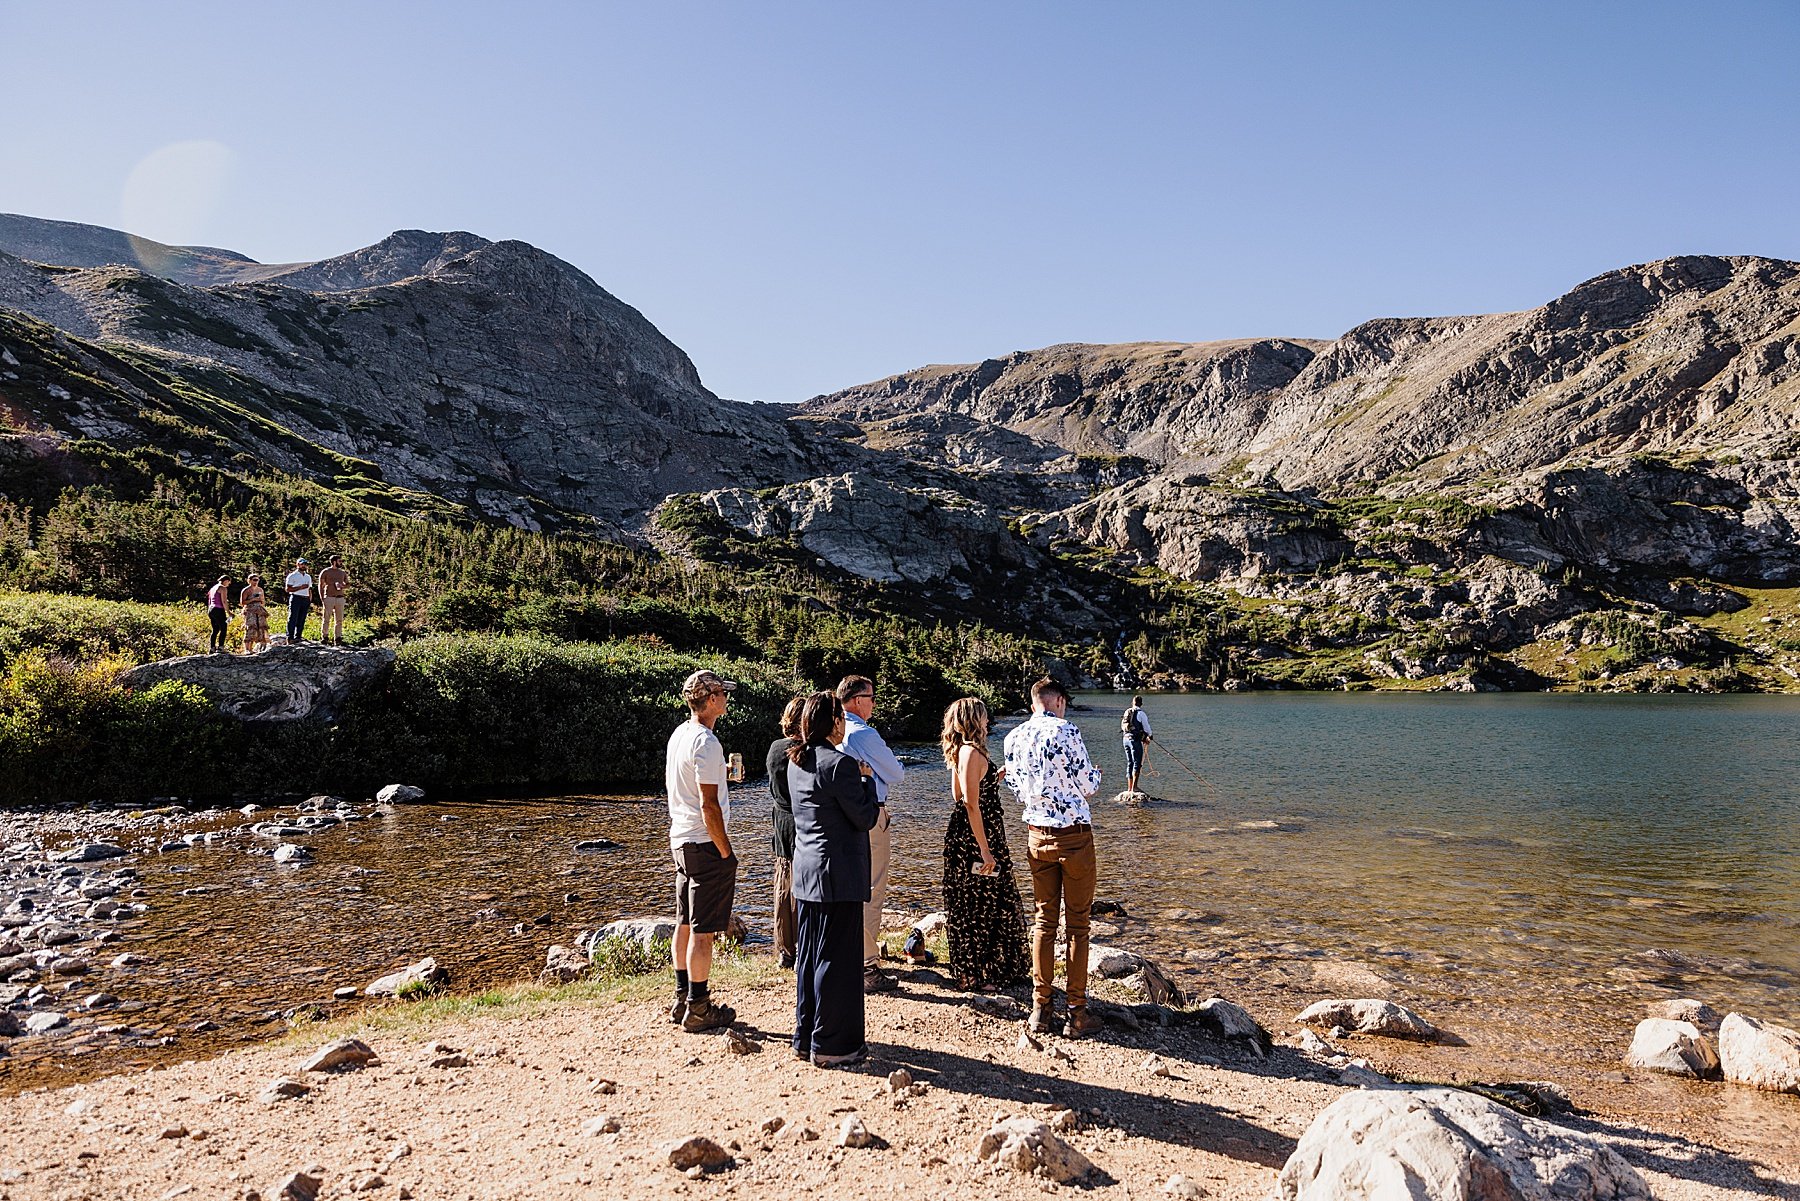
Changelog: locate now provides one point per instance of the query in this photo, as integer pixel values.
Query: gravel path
(517, 1104)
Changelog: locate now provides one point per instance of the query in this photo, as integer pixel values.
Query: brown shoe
(1081, 1023)
(678, 1010)
(707, 1015)
(1040, 1020)
(876, 980)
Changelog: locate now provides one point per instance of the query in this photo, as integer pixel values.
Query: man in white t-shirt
(705, 868)
(299, 594)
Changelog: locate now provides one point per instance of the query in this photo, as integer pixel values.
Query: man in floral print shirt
(1047, 765)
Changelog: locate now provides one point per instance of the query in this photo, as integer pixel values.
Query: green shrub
(69, 732)
(87, 630)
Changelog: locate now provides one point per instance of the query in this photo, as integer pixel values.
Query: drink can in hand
(734, 770)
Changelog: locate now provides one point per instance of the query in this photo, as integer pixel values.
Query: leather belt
(1075, 828)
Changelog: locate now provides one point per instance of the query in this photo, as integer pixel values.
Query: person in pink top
(218, 612)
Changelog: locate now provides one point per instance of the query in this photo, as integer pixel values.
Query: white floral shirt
(1047, 764)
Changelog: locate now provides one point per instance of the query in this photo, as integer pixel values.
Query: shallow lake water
(1528, 871)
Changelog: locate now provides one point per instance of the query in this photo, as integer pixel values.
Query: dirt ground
(509, 1122)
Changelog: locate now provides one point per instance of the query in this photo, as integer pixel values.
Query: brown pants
(881, 853)
(331, 623)
(1063, 873)
(787, 933)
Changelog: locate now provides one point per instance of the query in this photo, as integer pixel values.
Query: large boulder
(399, 794)
(1368, 1016)
(1677, 1048)
(1760, 1054)
(1441, 1144)
(644, 931)
(282, 684)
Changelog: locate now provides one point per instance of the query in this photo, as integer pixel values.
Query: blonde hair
(965, 724)
(790, 718)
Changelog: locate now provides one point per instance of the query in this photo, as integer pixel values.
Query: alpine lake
(1527, 871)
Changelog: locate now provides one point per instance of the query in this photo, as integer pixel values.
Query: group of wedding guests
(298, 588)
(830, 773)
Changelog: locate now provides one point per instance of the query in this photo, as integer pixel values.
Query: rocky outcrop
(1439, 1144)
(308, 682)
(1760, 1054)
(876, 530)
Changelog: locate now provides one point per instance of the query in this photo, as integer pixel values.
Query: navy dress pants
(828, 977)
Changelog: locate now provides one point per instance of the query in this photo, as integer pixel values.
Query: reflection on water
(1527, 870)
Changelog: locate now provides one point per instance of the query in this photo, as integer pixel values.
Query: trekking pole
(1184, 767)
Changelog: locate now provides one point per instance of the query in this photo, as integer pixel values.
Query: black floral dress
(987, 921)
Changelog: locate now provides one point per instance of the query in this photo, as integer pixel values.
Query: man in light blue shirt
(864, 743)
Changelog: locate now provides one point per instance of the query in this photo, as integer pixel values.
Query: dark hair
(790, 718)
(1045, 687)
(1138, 701)
(851, 687)
(818, 722)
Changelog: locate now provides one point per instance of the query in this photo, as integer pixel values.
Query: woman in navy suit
(834, 809)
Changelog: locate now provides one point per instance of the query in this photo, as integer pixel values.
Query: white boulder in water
(1368, 1016)
(1677, 1048)
(1443, 1144)
(424, 974)
(1760, 1054)
(400, 794)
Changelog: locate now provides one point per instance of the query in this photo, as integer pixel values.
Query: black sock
(681, 982)
(696, 991)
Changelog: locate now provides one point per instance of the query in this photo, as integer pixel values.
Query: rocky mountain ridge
(1421, 497)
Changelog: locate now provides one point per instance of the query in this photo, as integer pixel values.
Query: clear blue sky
(808, 196)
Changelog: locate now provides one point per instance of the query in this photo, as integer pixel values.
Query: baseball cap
(703, 684)
(302, 562)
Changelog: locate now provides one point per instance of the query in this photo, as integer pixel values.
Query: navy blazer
(834, 810)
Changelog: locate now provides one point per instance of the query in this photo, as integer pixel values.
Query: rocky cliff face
(488, 373)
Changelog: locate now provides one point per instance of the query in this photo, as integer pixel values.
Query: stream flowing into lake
(1526, 870)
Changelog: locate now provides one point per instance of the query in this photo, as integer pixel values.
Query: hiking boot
(1040, 1020)
(876, 980)
(678, 1010)
(707, 1015)
(1081, 1023)
(841, 1061)
(787, 961)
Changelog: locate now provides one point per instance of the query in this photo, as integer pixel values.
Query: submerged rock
(1440, 1144)
(1368, 1016)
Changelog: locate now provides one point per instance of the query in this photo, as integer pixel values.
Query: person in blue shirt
(863, 743)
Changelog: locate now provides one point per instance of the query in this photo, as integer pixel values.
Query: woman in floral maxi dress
(986, 925)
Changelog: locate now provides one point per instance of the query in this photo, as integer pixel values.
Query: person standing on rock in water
(299, 597)
(834, 809)
(218, 614)
(255, 604)
(705, 868)
(986, 921)
(1047, 765)
(781, 816)
(863, 743)
(333, 582)
(1134, 726)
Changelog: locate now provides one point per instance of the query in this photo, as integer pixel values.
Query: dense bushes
(85, 631)
(67, 732)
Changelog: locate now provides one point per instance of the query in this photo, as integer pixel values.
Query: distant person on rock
(695, 771)
(1047, 765)
(299, 598)
(218, 613)
(834, 810)
(864, 743)
(1134, 726)
(255, 603)
(333, 582)
(986, 925)
(781, 816)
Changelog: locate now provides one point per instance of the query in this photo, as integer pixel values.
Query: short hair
(1138, 701)
(1044, 688)
(790, 717)
(334, 560)
(818, 722)
(851, 687)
